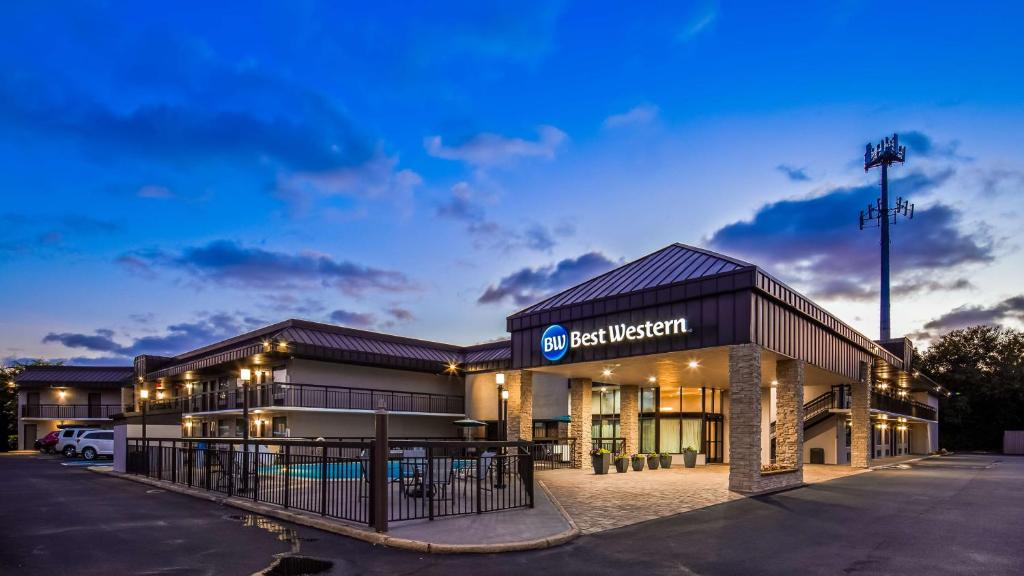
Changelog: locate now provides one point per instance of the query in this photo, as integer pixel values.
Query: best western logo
(556, 341)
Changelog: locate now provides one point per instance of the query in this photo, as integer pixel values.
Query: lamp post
(499, 379)
(246, 375)
(143, 400)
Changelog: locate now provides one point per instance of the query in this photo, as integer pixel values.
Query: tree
(983, 366)
(9, 402)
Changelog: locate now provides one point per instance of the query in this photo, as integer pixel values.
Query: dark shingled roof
(99, 376)
(670, 265)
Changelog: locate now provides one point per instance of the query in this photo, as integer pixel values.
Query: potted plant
(601, 458)
(665, 460)
(621, 463)
(652, 461)
(690, 457)
(638, 462)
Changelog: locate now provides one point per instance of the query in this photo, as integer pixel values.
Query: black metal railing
(901, 405)
(424, 479)
(552, 453)
(327, 397)
(69, 411)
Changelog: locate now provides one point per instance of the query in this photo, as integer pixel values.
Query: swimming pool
(348, 470)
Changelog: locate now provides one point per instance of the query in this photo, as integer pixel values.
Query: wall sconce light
(159, 394)
(144, 394)
(62, 393)
(245, 374)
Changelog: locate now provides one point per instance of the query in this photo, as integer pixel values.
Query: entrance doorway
(94, 405)
(29, 441)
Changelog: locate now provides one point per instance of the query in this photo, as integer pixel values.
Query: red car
(48, 444)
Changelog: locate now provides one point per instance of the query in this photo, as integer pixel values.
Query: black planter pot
(622, 465)
(690, 459)
(601, 463)
(665, 460)
(638, 464)
(652, 462)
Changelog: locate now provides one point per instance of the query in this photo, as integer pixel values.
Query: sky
(175, 175)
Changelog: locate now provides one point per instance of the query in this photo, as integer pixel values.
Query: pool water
(344, 470)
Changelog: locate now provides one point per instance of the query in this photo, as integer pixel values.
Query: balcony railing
(326, 397)
(898, 405)
(69, 411)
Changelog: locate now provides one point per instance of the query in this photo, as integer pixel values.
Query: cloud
(638, 115)
(1008, 310)
(698, 23)
(529, 285)
(154, 191)
(921, 144)
(814, 241)
(175, 339)
(487, 149)
(400, 314)
(462, 207)
(353, 319)
(793, 173)
(29, 234)
(376, 178)
(229, 263)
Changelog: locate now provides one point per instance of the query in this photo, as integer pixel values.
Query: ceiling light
(652, 379)
(606, 372)
(693, 364)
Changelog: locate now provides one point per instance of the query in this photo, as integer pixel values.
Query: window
(280, 427)
(222, 428)
(68, 433)
(101, 436)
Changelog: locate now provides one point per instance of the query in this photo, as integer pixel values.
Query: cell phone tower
(885, 154)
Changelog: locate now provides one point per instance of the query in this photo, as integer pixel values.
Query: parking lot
(961, 514)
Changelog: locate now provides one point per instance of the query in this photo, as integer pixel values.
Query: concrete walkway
(603, 502)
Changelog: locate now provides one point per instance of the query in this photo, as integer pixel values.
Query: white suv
(96, 443)
(67, 440)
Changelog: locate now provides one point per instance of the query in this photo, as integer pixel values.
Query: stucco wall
(302, 371)
(822, 435)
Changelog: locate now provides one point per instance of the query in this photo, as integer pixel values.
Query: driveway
(961, 514)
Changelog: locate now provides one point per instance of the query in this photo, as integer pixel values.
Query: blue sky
(171, 178)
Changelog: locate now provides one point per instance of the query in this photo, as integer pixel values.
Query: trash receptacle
(817, 455)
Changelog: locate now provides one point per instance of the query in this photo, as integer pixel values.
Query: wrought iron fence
(423, 479)
(552, 453)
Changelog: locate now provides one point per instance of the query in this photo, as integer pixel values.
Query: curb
(366, 535)
(884, 466)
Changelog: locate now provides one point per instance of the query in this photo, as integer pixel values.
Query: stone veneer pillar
(745, 426)
(860, 420)
(789, 414)
(519, 384)
(581, 418)
(744, 417)
(629, 418)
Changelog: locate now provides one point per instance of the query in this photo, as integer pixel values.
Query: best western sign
(556, 341)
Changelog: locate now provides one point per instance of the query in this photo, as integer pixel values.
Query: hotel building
(681, 348)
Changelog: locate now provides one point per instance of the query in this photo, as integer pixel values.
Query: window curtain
(691, 434)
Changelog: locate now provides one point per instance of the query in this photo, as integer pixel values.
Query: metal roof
(75, 375)
(490, 352)
(368, 343)
(670, 265)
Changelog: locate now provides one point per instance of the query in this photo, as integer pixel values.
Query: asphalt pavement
(961, 514)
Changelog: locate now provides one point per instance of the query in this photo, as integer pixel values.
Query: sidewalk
(542, 526)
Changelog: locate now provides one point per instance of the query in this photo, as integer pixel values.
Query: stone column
(860, 420)
(581, 416)
(519, 384)
(789, 414)
(744, 417)
(629, 417)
